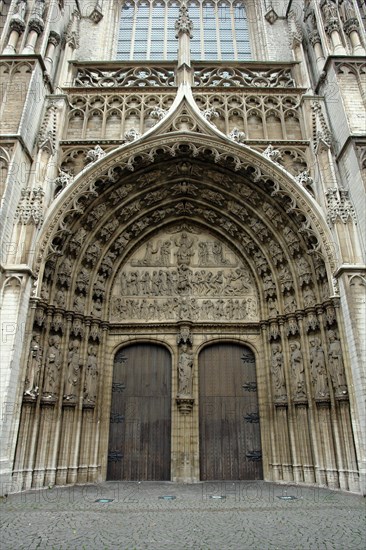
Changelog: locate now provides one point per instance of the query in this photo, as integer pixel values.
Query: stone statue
(278, 372)
(73, 371)
(53, 365)
(20, 9)
(318, 369)
(91, 376)
(336, 366)
(297, 368)
(31, 387)
(185, 365)
(185, 251)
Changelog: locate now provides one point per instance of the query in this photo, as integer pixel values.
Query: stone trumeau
(183, 242)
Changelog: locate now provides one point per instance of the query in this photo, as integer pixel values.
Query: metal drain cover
(168, 497)
(287, 497)
(218, 497)
(104, 500)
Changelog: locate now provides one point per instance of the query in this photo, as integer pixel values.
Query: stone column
(53, 41)
(17, 27)
(332, 28)
(352, 28)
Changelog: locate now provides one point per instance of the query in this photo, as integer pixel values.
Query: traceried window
(147, 30)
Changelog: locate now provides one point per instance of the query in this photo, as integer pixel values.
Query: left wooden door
(140, 419)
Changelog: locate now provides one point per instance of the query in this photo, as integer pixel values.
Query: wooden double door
(140, 418)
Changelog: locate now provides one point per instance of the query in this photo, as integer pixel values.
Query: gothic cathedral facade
(183, 222)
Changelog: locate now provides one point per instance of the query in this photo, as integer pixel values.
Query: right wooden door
(230, 443)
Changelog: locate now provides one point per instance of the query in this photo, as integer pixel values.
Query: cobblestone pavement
(134, 516)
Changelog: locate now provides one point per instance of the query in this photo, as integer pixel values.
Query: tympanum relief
(179, 276)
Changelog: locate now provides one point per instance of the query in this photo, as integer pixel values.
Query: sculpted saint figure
(53, 364)
(34, 367)
(185, 365)
(91, 376)
(297, 367)
(318, 369)
(278, 372)
(335, 361)
(184, 252)
(73, 371)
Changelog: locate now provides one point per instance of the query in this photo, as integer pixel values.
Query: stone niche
(184, 275)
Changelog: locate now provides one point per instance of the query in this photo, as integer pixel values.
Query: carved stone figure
(60, 299)
(289, 303)
(185, 366)
(297, 367)
(91, 376)
(31, 387)
(73, 371)
(83, 279)
(203, 254)
(318, 369)
(164, 259)
(79, 303)
(53, 364)
(185, 251)
(20, 9)
(64, 272)
(309, 297)
(303, 270)
(278, 375)
(336, 366)
(97, 307)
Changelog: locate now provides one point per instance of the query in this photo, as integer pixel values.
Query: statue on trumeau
(185, 367)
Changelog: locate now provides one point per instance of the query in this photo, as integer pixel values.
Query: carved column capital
(351, 25)
(17, 24)
(36, 24)
(54, 38)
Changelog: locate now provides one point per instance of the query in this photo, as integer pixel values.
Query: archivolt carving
(143, 155)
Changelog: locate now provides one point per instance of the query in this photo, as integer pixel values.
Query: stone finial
(183, 25)
(158, 113)
(339, 206)
(210, 114)
(95, 154)
(272, 154)
(132, 135)
(305, 179)
(237, 136)
(30, 207)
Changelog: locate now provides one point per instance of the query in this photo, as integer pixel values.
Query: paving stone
(251, 517)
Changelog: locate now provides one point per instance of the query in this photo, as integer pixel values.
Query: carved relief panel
(184, 276)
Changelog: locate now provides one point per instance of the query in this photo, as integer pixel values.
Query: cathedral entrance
(230, 444)
(140, 419)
